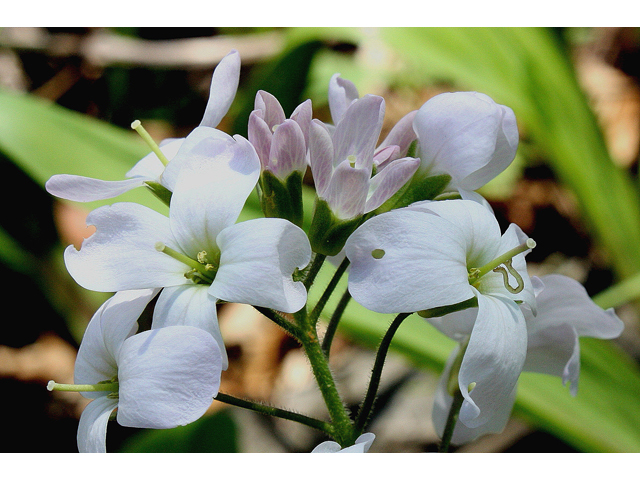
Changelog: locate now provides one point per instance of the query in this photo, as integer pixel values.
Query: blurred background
(69, 95)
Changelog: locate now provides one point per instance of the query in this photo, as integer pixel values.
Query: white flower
(151, 168)
(467, 136)
(198, 254)
(437, 254)
(564, 313)
(163, 377)
(362, 445)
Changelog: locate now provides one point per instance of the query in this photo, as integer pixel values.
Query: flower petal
(358, 131)
(258, 258)
(110, 326)
(121, 254)
(462, 434)
(168, 377)
(479, 228)
(342, 93)
(92, 428)
(388, 181)
(86, 189)
(211, 189)
(419, 263)
(150, 167)
(260, 136)
(288, 150)
(347, 191)
(190, 305)
(467, 135)
(320, 156)
(493, 360)
(224, 85)
(272, 111)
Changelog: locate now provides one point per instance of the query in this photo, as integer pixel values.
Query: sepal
(281, 198)
(416, 190)
(329, 233)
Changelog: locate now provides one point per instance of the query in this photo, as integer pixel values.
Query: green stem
(313, 269)
(282, 322)
(452, 419)
(343, 427)
(333, 322)
(317, 310)
(376, 373)
(276, 412)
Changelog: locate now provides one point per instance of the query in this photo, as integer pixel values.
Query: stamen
(98, 387)
(199, 270)
(378, 253)
(137, 126)
(352, 160)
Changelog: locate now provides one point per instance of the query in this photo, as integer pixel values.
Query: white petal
(272, 111)
(224, 84)
(358, 131)
(565, 301)
(320, 156)
(347, 191)
(462, 434)
(257, 262)
(387, 182)
(458, 325)
(86, 189)
(92, 429)
(121, 254)
(110, 326)
(361, 445)
(211, 189)
(288, 150)
(189, 305)
(422, 265)
(479, 229)
(190, 147)
(493, 360)
(467, 135)
(342, 93)
(168, 377)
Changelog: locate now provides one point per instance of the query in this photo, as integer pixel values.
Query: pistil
(504, 259)
(98, 387)
(200, 269)
(137, 126)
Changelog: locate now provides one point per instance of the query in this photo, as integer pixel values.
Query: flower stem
(276, 412)
(317, 310)
(333, 322)
(340, 419)
(376, 373)
(313, 269)
(281, 321)
(452, 419)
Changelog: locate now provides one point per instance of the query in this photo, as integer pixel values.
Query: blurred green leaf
(45, 139)
(210, 434)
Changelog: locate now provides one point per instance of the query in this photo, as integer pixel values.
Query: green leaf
(45, 139)
(211, 434)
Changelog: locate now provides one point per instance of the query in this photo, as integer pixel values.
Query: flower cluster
(404, 213)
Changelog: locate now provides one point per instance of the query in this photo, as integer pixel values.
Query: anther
(352, 160)
(137, 126)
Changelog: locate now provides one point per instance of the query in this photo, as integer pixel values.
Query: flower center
(503, 265)
(203, 269)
